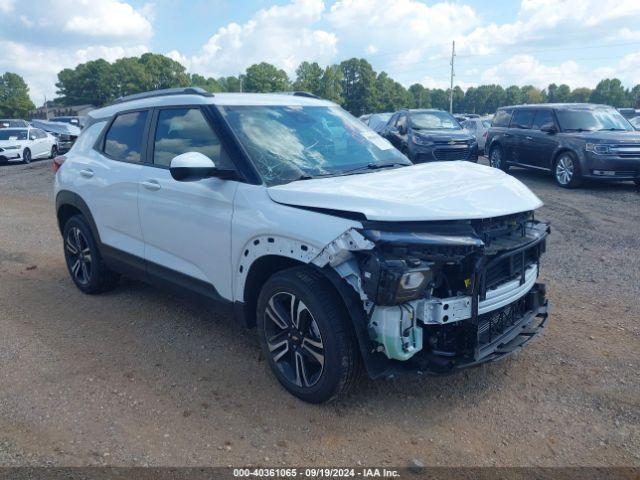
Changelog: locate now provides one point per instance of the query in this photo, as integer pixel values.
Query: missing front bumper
(482, 339)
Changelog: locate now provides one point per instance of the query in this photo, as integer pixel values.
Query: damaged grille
(493, 325)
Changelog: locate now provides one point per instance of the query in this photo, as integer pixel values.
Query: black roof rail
(164, 93)
(299, 94)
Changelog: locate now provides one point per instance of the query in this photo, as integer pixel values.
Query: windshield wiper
(374, 166)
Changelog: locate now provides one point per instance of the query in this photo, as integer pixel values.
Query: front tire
(497, 160)
(306, 336)
(566, 170)
(83, 258)
(26, 156)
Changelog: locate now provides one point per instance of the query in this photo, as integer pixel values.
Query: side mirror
(192, 166)
(549, 128)
(32, 137)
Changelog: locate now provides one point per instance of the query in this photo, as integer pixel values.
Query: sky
(536, 42)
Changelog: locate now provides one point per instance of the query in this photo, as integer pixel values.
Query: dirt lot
(139, 377)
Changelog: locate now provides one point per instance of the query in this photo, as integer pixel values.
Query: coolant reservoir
(395, 328)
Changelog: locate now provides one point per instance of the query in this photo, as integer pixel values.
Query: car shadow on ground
(213, 330)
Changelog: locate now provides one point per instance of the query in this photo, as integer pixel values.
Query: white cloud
(40, 66)
(554, 24)
(281, 35)
(404, 31)
(38, 43)
(526, 69)
(108, 18)
(6, 6)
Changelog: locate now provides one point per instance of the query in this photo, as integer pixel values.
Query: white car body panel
(187, 225)
(257, 217)
(110, 190)
(425, 192)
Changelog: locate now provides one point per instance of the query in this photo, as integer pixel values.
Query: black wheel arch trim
(376, 364)
(66, 197)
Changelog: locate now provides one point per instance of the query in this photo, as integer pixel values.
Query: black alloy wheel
(78, 256)
(294, 340)
(26, 156)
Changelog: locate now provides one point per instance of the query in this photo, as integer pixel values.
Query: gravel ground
(139, 377)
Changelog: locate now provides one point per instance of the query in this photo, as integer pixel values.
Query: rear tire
(83, 259)
(566, 170)
(306, 335)
(26, 156)
(496, 158)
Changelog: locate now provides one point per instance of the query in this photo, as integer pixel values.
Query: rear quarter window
(123, 140)
(502, 118)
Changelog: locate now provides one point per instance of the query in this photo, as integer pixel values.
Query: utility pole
(453, 55)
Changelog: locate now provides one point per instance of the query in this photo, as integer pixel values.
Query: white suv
(314, 228)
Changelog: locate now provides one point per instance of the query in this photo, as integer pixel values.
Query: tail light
(57, 162)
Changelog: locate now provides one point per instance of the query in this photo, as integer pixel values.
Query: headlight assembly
(598, 148)
(394, 281)
(421, 141)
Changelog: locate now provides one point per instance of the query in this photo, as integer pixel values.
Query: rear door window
(123, 141)
(543, 116)
(522, 118)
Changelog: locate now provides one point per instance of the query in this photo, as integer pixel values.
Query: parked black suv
(574, 141)
(429, 135)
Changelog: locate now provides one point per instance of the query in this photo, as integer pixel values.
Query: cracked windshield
(288, 143)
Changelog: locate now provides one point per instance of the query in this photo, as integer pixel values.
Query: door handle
(86, 173)
(152, 185)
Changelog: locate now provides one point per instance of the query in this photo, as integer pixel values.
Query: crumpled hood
(426, 192)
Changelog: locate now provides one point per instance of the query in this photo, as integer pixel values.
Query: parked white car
(311, 227)
(479, 128)
(26, 144)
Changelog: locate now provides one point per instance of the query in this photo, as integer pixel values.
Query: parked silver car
(479, 128)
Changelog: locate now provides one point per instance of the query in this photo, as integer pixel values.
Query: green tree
(634, 96)
(264, 77)
(92, 82)
(609, 92)
(229, 84)
(163, 72)
(458, 100)
(209, 84)
(308, 78)
(439, 99)
(470, 100)
(580, 95)
(14, 96)
(531, 94)
(358, 86)
(331, 84)
(420, 96)
(513, 95)
(391, 95)
(129, 77)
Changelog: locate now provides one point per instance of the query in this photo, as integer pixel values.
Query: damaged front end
(440, 296)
